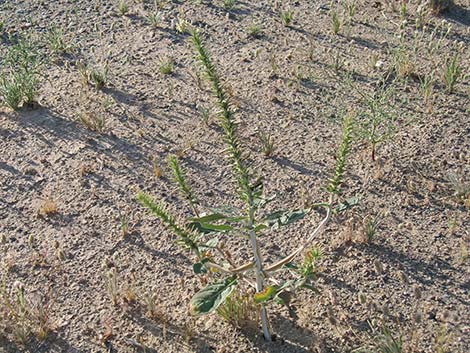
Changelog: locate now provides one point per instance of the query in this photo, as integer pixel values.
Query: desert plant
(350, 6)
(377, 123)
(11, 89)
(123, 7)
(387, 343)
(56, 41)
(200, 234)
(426, 85)
(371, 226)
(112, 286)
(179, 178)
(93, 121)
(403, 61)
(254, 30)
(25, 315)
(229, 4)
(166, 67)
(460, 187)
(268, 144)
(452, 72)
(155, 18)
(182, 26)
(335, 22)
(287, 16)
(96, 76)
(205, 115)
(19, 82)
(240, 310)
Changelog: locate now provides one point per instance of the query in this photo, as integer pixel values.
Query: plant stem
(258, 273)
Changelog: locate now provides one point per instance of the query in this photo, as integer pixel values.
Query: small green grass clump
(19, 81)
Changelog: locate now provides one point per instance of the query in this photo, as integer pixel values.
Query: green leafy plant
(19, 81)
(202, 233)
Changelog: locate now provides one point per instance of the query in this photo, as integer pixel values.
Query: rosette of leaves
(202, 233)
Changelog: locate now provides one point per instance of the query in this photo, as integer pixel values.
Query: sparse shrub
(201, 233)
(48, 207)
(11, 89)
(387, 343)
(371, 226)
(205, 115)
(112, 285)
(461, 189)
(403, 62)
(350, 6)
(183, 26)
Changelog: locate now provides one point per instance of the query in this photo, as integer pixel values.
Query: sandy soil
(283, 82)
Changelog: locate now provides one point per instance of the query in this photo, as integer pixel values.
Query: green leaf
(204, 227)
(283, 218)
(209, 298)
(199, 267)
(267, 294)
(347, 204)
(209, 218)
(226, 210)
(260, 202)
(260, 227)
(291, 266)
